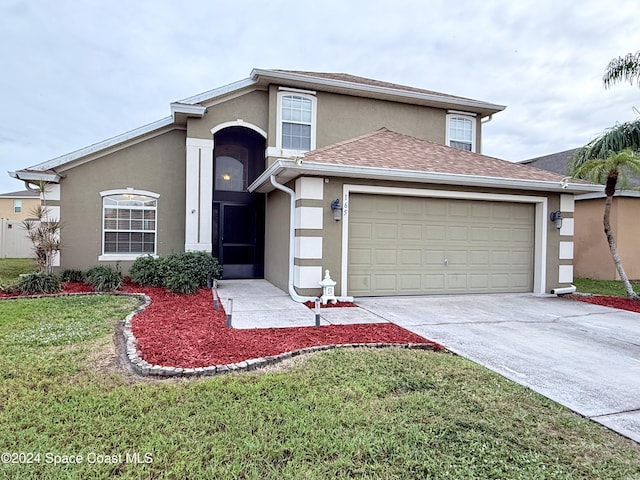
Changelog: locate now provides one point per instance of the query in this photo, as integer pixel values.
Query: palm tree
(623, 68)
(591, 163)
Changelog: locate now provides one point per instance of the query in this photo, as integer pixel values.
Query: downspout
(292, 233)
(564, 290)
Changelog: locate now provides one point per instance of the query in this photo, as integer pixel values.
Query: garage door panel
(433, 257)
(410, 257)
(433, 283)
(362, 231)
(385, 257)
(360, 257)
(458, 233)
(488, 246)
(434, 232)
(385, 283)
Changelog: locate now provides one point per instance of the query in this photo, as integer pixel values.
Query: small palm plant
(608, 170)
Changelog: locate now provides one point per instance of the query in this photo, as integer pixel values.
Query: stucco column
(199, 194)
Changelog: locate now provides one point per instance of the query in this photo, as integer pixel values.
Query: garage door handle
(446, 262)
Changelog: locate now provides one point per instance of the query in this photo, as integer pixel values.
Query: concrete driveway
(583, 356)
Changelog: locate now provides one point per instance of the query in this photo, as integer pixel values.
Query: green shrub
(181, 283)
(147, 271)
(196, 265)
(34, 283)
(71, 275)
(104, 278)
(180, 272)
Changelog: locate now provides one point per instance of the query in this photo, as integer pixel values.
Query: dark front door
(238, 215)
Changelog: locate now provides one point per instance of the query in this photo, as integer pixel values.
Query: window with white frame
(17, 206)
(461, 132)
(129, 223)
(296, 121)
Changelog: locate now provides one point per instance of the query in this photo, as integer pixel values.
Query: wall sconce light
(336, 208)
(556, 218)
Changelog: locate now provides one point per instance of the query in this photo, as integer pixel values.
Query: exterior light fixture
(556, 218)
(226, 177)
(336, 208)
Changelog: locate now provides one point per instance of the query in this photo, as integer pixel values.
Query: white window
(129, 224)
(17, 206)
(296, 122)
(461, 132)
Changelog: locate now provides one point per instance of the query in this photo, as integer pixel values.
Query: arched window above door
(231, 168)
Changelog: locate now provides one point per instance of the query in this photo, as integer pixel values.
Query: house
(592, 254)
(286, 174)
(18, 205)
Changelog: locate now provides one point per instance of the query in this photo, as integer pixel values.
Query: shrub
(196, 265)
(147, 271)
(104, 279)
(70, 275)
(180, 272)
(34, 283)
(181, 283)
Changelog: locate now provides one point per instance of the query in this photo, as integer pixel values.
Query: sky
(76, 72)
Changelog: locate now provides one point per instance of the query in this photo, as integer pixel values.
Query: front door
(238, 215)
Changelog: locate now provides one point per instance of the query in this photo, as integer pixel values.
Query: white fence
(14, 242)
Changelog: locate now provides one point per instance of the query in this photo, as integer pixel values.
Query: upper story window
(461, 132)
(17, 206)
(296, 122)
(129, 223)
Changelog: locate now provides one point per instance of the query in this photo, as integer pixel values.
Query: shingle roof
(387, 149)
(345, 77)
(555, 162)
(21, 193)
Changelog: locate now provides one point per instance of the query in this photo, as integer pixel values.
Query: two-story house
(285, 174)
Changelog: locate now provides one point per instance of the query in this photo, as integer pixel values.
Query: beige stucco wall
(28, 205)
(332, 230)
(156, 165)
(593, 257)
(251, 108)
(341, 117)
(277, 215)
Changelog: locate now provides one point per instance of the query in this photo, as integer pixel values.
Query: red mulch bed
(614, 302)
(185, 331)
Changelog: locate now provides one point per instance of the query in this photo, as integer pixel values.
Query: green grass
(11, 268)
(377, 414)
(603, 287)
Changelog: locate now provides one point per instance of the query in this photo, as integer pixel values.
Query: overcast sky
(75, 72)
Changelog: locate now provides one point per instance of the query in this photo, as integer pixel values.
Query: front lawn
(366, 413)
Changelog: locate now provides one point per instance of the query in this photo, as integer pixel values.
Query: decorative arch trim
(239, 123)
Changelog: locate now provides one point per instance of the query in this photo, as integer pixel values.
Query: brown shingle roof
(345, 77)
(387, 149)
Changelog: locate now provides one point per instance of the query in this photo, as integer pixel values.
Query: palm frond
(623, 68)
(620, 137)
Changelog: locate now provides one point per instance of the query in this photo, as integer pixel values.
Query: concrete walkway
(259, 304)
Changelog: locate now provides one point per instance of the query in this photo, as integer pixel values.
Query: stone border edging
(144, 368)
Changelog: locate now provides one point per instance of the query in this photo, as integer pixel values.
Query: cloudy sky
(75, 72)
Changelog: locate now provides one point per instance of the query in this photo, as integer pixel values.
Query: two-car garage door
(412, 245)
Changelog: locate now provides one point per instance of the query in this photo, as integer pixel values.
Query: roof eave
(286, 170)
(28, 176)
(385, 93)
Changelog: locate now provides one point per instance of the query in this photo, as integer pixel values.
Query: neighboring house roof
(559, 162)
(196, 106)
(555, 162)
(21, 194)
(385, 154)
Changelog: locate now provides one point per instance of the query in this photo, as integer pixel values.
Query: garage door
(410, 245)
